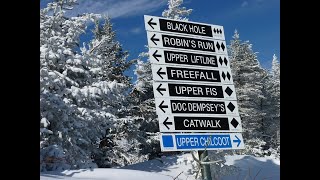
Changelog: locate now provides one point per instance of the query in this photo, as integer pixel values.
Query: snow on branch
(67, 78)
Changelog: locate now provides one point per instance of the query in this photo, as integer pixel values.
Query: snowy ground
(168, 168)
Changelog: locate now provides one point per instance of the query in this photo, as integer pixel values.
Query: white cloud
(116, 8)
(244, 4)
(260, 2)
(136, 30)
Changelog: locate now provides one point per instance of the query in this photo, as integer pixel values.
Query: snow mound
(173, 167)
(103, 174)
(254, 167)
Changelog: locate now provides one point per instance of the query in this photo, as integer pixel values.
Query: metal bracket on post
(206, 173)
(204, 164)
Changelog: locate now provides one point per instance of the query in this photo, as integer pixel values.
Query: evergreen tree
(120, 146)
(82, 93)
(175, 11)
(249, 80)
(273, 86)
(109, 51)
(65, 141)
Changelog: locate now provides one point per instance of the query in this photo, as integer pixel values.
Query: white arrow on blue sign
(201, 141)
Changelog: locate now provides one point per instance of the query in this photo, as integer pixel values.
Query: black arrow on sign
(161, 106)
(166, 123)
(159, 89)
(155, 55)
(151, 23)
(154, 39)
(159, 73)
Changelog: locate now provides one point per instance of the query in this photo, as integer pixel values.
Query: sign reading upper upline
(204, 60)
(193, 85)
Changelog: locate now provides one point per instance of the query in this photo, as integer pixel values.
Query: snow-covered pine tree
(273, 90)
(143, 108)
(276, 70)
(64, 142)
(276, 91)
(78, 103)
(249, 80)
(114, 59)
(175, 11)
(108, 62)
(120, 145)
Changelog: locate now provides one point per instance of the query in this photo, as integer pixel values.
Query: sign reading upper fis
(193, 85)
(214, 92)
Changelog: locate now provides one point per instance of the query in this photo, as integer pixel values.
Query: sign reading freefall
(176, 73)
(193, 85)
(201, 141)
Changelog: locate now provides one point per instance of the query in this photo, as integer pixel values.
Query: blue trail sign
(201, 141)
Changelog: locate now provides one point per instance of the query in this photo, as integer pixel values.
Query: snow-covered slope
(254, 167)
(103, 174)
(168, 168)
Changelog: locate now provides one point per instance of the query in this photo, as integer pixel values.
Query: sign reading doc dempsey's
(166, 90)
(201, 141)
(158, 40)
(199, 123)
(170, 106)
(161, 56)
(174, 73)
(160, 24)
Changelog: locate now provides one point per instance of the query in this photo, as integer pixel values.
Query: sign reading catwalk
(193, 86)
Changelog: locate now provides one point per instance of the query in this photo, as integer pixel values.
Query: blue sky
(256, 20)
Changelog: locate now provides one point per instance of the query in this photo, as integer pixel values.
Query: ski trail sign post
(194, 94)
